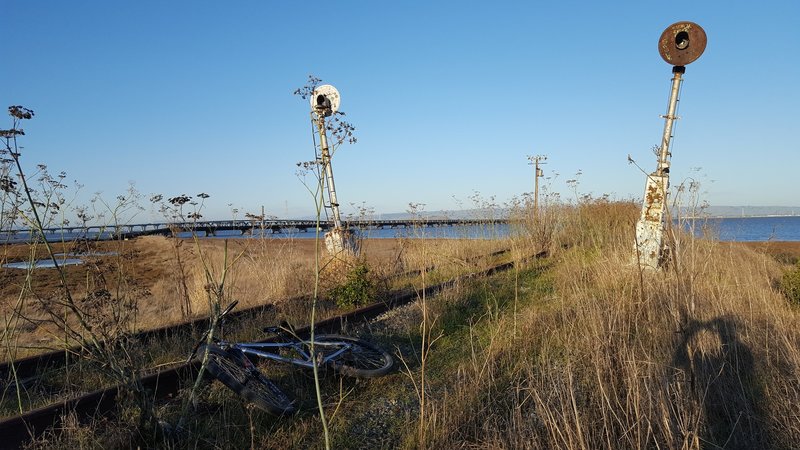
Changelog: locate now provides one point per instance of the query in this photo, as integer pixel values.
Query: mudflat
(783, 251)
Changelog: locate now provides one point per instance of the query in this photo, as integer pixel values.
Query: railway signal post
(325, 102)
(680, 44)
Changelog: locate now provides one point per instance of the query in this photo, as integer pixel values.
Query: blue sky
(447, 98)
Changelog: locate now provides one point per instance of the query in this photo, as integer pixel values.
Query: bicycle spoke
(364, 358)
(354, 357)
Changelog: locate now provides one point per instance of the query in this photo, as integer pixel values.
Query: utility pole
(537, 173)
(680, 44)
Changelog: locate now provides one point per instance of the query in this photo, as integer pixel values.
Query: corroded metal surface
(682, 43)
(649, 228)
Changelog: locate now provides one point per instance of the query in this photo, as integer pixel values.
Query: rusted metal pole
(328, 169)
(650, 228)
(669, 120)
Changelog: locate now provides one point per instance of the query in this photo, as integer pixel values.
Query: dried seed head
(20, 112)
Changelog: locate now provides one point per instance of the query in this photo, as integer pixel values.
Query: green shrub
(356, 290)
(790, 285)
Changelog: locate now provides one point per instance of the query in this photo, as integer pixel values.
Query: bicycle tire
(363, 360)
(232, 368)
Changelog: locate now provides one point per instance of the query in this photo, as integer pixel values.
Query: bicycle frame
(258, 349)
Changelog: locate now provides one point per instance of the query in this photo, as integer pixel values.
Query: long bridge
(272, 226)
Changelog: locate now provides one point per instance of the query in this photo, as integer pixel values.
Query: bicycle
(229, 363)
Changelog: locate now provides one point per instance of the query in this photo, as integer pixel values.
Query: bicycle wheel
(362, 360)
(234, 370)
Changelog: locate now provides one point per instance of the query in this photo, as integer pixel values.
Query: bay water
(746, 229)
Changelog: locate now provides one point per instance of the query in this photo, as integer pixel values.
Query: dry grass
(581, 350)
(263, 271)
(704, 355)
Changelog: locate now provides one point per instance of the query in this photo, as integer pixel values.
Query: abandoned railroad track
(33, 367)
(164, 384)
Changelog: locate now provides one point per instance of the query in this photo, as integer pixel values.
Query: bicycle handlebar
(228, 308)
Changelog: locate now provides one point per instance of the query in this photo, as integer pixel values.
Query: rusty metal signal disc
(682, 43)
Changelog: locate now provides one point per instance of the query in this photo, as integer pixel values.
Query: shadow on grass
(724, 384)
